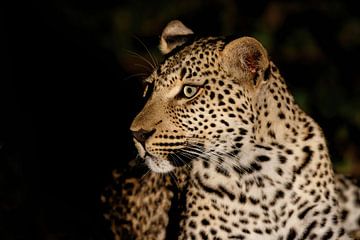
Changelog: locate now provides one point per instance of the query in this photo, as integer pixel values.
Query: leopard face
(198, 106)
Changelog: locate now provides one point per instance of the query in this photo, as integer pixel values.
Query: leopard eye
(190, 91)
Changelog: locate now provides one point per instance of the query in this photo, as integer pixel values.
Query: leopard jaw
(155, 164)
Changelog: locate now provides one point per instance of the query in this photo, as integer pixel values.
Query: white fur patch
(158, 165)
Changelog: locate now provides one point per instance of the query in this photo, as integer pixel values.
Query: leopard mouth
(176, 158)
(154, 163)
(140, 148)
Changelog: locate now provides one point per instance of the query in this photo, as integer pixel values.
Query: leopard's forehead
(193, 61)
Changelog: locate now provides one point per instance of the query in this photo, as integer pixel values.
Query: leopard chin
(158, 165)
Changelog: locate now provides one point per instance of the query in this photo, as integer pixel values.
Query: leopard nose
(142, 135)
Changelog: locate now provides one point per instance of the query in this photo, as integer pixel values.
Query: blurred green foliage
(315, 44)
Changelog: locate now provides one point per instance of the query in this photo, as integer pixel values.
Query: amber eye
(190, 91)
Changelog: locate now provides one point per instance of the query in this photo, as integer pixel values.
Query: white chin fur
(157, 165)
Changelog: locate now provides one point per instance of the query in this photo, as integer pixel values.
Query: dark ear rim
(174, 35)
(189, 40)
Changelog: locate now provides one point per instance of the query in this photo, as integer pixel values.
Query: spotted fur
(232, 156)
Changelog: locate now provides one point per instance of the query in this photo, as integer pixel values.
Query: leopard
(225, 152)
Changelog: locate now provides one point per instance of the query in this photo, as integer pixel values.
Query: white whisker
(135, 54)
(135, 75)
(149, 53)
(143, 176)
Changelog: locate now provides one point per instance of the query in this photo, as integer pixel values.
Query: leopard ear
(174, 34)
(245, 58)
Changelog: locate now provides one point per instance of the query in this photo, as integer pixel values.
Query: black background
(65, 114)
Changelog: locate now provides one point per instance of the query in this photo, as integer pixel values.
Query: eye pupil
(189, 91)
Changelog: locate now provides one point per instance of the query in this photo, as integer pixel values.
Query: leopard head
(200, 99)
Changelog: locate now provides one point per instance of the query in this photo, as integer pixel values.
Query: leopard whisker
(154, 60)
(144, 175)
(181, 160)
(143, 75)
(215, 158)
(233, 159)
(145, 67)
(208, 157)
(173, 176)
(135, 54)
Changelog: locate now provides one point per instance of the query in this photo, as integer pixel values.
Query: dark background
(70, 85)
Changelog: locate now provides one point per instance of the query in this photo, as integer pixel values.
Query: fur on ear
(245, 58)
(174, 34)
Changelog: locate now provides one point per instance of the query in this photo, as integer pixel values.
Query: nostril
(142, 135)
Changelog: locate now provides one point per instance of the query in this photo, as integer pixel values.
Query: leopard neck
(281, 125)
(278, 118)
